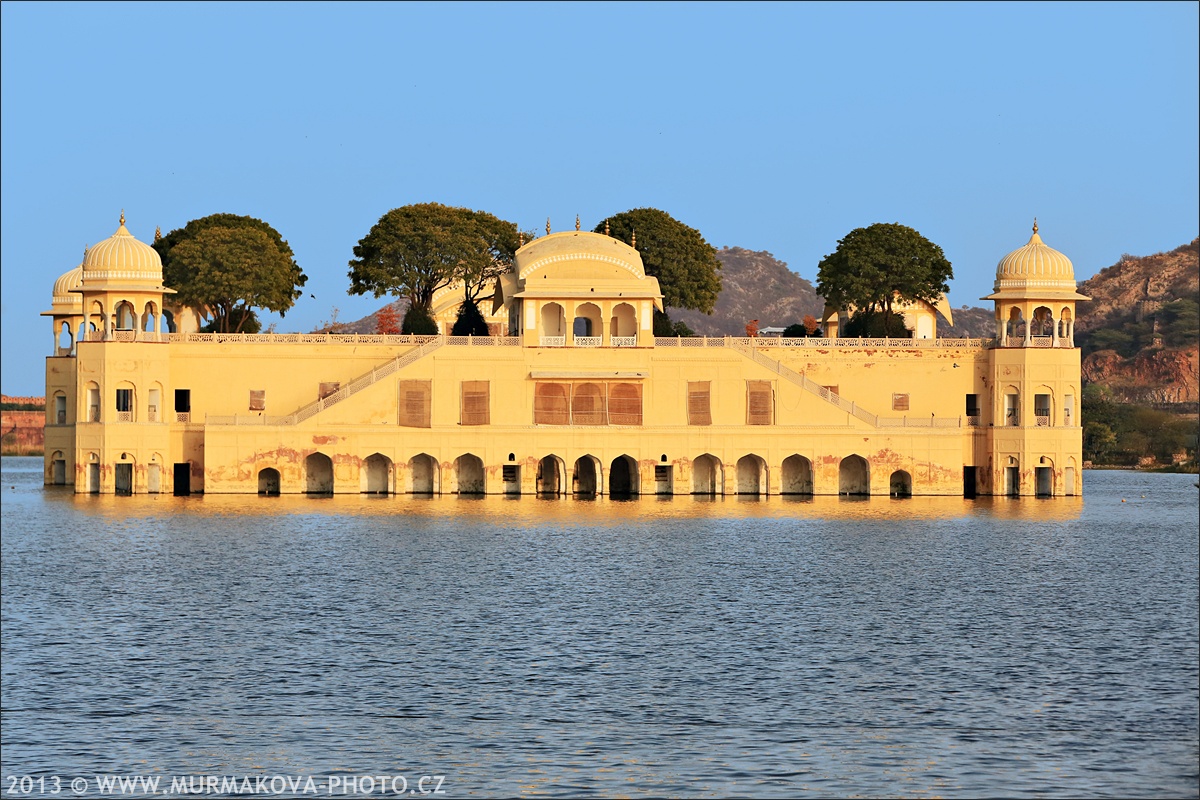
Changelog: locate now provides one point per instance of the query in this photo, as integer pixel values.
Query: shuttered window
(551, 404)
(625, 404)
(258, 399)
(414, 404)
(899, 402)
(759, 403)
(476, 405)
(587, 404)
(699, 403)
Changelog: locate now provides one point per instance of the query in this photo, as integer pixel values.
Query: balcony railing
(624, 341)
(94, 414)
(124, 416)
(1042, 420)
(183, 416)
(973, 420)
(588, 341)
(554, 341)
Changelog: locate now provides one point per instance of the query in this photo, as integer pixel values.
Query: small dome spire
(122, 217)
(1035, 224)
(633, 240)
(606, 233)
(576, 222)
(158, 233)
(547, 226)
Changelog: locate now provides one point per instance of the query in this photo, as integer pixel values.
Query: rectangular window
(662, 472)
(476, 405)
(759, 403)
(625, 404)
(327, 388)
(60, 409)
(124, 400)
(1011, 409)
(183, 401)
(258, 399)
(1069, 410)
(972, 410)
(552, 404)
(152, 406)
(699, 403)
(415, 404)
(1041, 410)
(510, 473)
(93, 405)
(899, 402)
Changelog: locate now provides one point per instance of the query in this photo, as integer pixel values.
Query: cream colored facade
(579, 397)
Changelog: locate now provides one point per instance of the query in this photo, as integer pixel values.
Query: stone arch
(58, 468)
(318, 474)
(1016, 323)
(56, 408)
(1043, 473)
(268, 481)
(96, 311)
(125, 316)
(751, 475)
(65, 340)
(588, 321)
(623, 477)
(624, 320)
(469, 474)
(92, 474)
(708, 475)
(585, 478)
(1042, 323)
(425, 474)
(1064, 322)
(854, 475)
(151, 318)
(1069, 477)
(125, 401)
(551, 404)
(551, 476)
(91, 402)
(169, 321)
(375, 476)
(797, 475)
(900, 484)
(553, 320)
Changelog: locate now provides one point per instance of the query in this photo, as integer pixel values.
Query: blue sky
(775, 127)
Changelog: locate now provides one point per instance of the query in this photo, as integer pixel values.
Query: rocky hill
(754, 285)
(1140, 334)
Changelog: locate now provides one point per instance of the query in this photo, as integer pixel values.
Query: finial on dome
(606, 233)
(520, 238)
(633, 240)
(1035, 224)
(547, 226)
(122, 216)
(158, 233)
(576, 222)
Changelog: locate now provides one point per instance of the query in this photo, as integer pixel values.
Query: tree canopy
(874, 266)
(414, 250)
(225, 266)
(686, 266)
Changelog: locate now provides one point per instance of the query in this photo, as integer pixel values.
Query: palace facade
(577, 397)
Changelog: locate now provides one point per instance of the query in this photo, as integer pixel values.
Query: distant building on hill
(574, 395)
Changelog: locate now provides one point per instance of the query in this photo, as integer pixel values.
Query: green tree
(876, 325)
(414, 250)
(470, 321)
(418, 321)
(226, 266)
(665, 326)
(873, 267)
(686, 266)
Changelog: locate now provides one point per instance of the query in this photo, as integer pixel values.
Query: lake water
(652, 647)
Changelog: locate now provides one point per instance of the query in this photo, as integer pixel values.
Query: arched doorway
(553, 325)
(424, 471)
(623, 477)
(318, 474)
(376, 477)
(588, 328)
(854, 476)
(900, 484)
(585, 480)
(624, 322)
(551, 476)
(751, 475)
(268, 481)
(707, 475)
(468, 469)
(796, 475)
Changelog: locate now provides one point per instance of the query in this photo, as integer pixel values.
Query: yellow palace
(578, 398)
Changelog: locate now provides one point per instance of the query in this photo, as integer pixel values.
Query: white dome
(1035, 266)
(121, 257)
(64, 300)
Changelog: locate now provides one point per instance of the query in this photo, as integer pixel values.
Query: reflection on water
(652, 647)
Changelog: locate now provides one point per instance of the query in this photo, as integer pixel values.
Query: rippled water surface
(651, 647)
